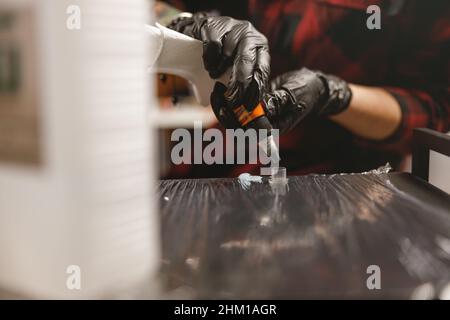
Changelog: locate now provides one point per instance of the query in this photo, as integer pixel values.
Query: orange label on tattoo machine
(244, 116)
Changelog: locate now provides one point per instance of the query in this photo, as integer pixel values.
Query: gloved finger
(180, 24)
(212, 57)
(188, 25)
(213, 32)
(283, 110)
(219, 105)
(257, 87)
(233, 36)
(262, 69)
(275, 102)
(252, 95)
(258, 84)
(280, 80)
(242, 74)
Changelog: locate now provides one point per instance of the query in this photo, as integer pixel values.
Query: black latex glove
(231, 43)
(297, 94)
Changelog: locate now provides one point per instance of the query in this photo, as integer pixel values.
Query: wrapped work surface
(317, 236)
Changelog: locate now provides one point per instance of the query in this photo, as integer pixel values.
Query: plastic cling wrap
(318, 236)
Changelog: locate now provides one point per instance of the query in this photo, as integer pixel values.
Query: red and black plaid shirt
(409, 57)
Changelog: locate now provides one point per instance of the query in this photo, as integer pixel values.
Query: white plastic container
(87, 201)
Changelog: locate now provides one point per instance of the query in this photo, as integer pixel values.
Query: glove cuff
(338, 95)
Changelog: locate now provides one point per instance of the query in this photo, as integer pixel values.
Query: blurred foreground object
(85, 204)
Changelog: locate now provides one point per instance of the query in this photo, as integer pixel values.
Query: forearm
(372, 114)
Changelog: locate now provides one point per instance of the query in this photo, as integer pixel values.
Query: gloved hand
(297, 94)
(231, 43)
(292, 97)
